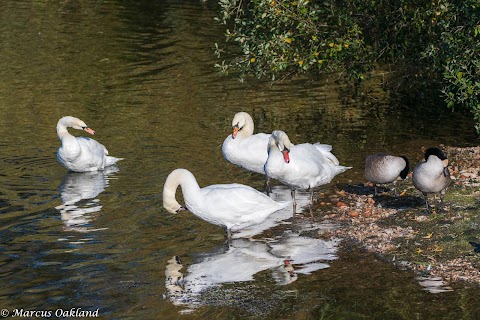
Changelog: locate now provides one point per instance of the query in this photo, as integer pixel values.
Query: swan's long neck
(248, 127)
(184, 179)
(272, 144)
(62, 130)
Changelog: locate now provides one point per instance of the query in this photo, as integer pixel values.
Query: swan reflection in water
(77, 187)
(278, 193)
(241, 261)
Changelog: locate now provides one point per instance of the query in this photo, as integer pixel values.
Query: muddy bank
(399, 229)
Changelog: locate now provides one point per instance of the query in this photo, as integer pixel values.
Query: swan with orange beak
(304, 166)
(245, 149)
(81, 154)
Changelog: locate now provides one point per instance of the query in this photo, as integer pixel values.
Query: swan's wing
(249, 153)
(91, 146)
(310, 157)
(237, 203)
(256, 145)
(326, 149)
(236, 198)
(93, 153)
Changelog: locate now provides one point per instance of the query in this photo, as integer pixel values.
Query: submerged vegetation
(431, 45)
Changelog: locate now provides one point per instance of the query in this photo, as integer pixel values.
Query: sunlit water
(141, 74)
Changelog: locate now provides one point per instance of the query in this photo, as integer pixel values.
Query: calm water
(141, 74)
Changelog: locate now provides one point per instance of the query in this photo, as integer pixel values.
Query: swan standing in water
(432, 175)
(304, 166)
(81, 154)
(245, 149)
(382, 168)
(233, 206)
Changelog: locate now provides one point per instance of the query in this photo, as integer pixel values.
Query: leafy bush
(437, 40)
(278, 37)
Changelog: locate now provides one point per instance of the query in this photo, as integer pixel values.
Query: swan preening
(383, 168)
(432, 174)
(233, 206)
(245, 149)
(304, 166)
(81, 154)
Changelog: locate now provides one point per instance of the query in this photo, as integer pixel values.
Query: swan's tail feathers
(326, 149)
(341, 169)
(111, 160)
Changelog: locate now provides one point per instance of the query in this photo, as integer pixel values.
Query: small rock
(421, 218)
(353, 214)
(341, 204)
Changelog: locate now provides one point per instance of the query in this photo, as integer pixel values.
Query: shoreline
(400, 231)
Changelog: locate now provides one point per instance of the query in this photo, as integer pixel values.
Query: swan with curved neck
(81, 154)
(243, 148)
(233, 206)
(304, 166)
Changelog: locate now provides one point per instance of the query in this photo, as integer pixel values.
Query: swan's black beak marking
(235, 129)
(180, 209)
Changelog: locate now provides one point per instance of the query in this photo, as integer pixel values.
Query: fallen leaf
(428, 236)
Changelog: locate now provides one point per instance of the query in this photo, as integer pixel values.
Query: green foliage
(437, 40)
(278, 37)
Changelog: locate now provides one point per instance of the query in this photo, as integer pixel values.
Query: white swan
(304, 166)
(245, 149)
(234, 206)
(81, 154)
(432, 175)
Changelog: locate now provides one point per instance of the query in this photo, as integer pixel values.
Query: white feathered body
(249, 153)
(311, 165)
(81, 154)
(234, 206)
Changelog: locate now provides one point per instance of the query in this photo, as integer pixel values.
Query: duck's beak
(235, 131)
(286, 155)
(89, 130)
